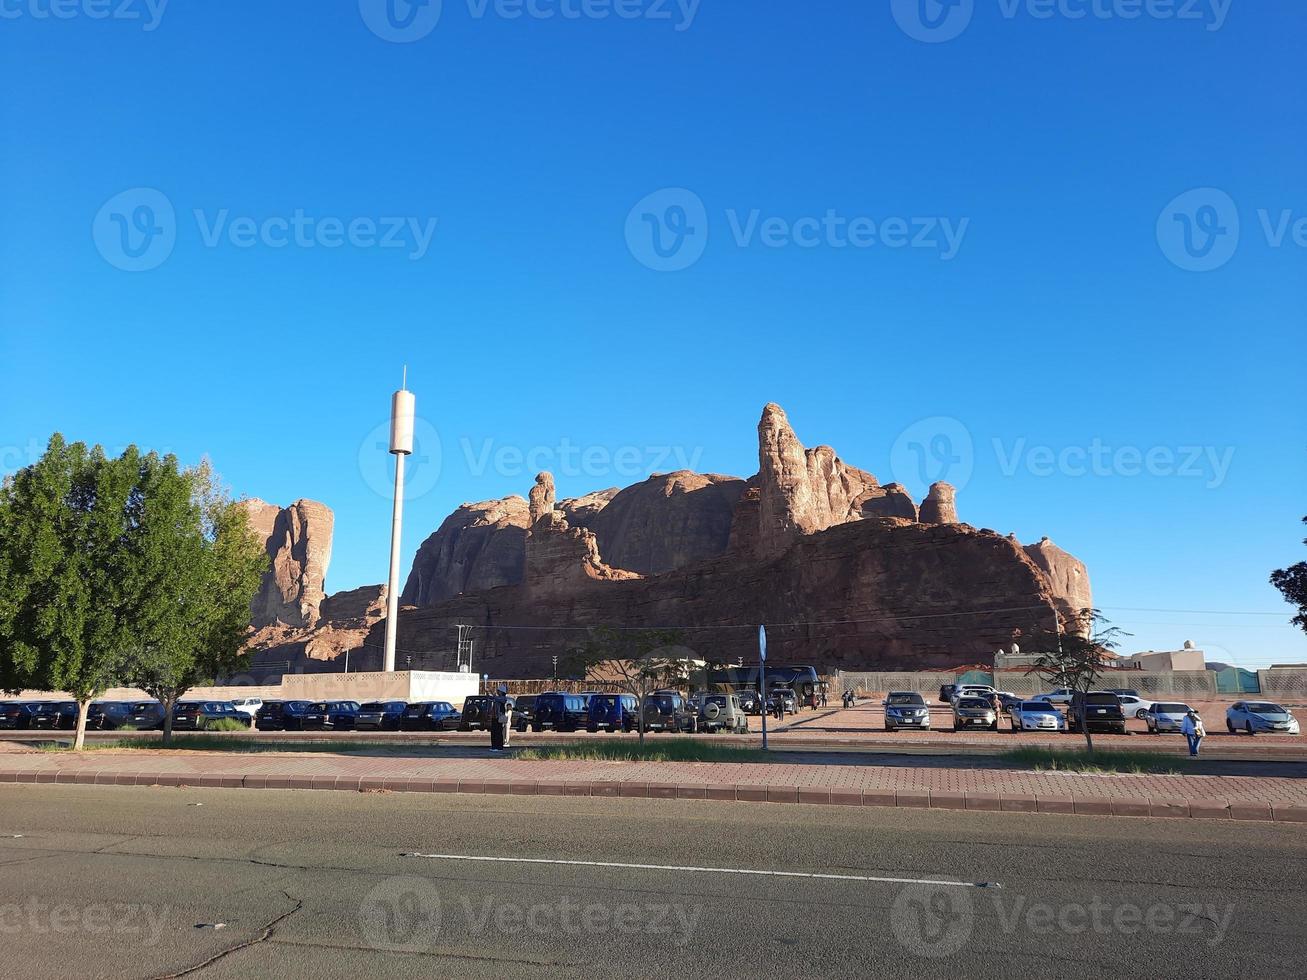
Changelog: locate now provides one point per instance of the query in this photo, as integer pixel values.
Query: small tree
(642, 661)
(198, 567)
(1079, 656)
(1292, 583)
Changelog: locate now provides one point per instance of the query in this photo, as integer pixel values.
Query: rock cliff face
(801, 490)
(940, 505)
(1067, 577)
(669, 521)
(844, 572)
(298, 542)
(479, 546)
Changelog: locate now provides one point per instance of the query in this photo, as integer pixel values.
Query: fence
(1181, 684)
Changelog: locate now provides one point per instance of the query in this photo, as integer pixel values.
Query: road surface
(126, 882)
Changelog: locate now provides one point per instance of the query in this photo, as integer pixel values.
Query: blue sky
(962, 256)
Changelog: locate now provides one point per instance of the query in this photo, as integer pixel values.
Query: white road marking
(733, 871)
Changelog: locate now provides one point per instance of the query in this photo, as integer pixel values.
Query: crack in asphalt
(263, 936)
(433, 953)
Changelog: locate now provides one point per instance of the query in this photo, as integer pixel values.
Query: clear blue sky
(1068, 316)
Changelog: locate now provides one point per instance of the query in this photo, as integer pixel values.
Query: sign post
(762, 680)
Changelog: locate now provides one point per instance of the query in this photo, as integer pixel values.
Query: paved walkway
(1237, 797)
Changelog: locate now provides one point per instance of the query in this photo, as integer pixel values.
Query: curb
(1101, 806)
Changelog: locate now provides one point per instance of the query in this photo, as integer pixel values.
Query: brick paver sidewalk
(1237, 797)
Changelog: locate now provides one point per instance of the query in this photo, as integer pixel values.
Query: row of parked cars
(1065, 710)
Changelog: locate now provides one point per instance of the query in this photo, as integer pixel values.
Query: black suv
(17, 715)
(200, 715)
(282, 716)
(329, 714)
(666, 711)
(55, 714)
(381, 715)
(429, 716)
(524, 711)
(561, 712)
(1097, 711)
(476, 713)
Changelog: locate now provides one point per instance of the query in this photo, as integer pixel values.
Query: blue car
(55, 714)
(281, 716)
(613, 712)
(380, 715)
(17, 715)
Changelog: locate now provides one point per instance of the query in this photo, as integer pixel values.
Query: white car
(1037, 716)
(1165, 716)
(974, 691)
(1133, 705)
(248, 706)
(1061, 696)
(1260, 716)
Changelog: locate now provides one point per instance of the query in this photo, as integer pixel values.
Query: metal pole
(392, 590)
(762, 680)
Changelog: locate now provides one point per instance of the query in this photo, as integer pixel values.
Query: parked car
(336, 715)
(281, 716)
(380, 716)
(1260, 716)
(1097, 710)
(1037, 716)
(1008, 702)
(560, 711)
(974, 712)
(1129, 691)
(1062, 696)
(750, 701)
(906, 709)
(17, 715)
(786, 696)
(722, 713)
(145, 715)
(430, 716)
(666, 711)
(199, 715)
(974, 690)
(1165, 716)
(476, 713)
(613, 712)
(1132, 704)
(54, 714)
(947, 693)
(523, 712)
(107, 715)
(248, 706)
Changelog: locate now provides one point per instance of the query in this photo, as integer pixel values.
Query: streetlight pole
(401, 445)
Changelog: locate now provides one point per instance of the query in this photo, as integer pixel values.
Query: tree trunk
(640, 721)
(79, 740)
(167, 720)
(1089, 739)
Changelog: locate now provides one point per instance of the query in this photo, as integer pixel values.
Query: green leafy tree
(641, 661)
(197, 567)
(1078, 655)
(116, 570)
(62, 572)
(1292, 583)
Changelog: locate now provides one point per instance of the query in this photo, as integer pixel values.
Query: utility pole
(401, 445)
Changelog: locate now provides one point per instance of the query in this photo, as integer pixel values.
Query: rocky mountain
(298, 542)
(844, 572)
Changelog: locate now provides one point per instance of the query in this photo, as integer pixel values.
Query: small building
(1167, 661)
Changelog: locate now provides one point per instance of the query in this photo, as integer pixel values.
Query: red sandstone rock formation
(298, 541)
(940, 505)
(1067, 576)
(479, 546)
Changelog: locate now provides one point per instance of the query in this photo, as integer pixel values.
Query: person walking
(1192, 729)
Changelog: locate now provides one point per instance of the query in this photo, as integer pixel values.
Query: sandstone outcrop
(665, 522)
(891, 500)
(542, 497)
(479, 546)
(580, 511)
(559, 557)
(801, 490)
(1067, 577)
(940, 505)
(298, 542)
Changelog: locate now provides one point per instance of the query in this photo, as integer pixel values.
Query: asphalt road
(126, 882)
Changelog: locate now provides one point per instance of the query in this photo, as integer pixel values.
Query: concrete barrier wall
(1180, 684)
